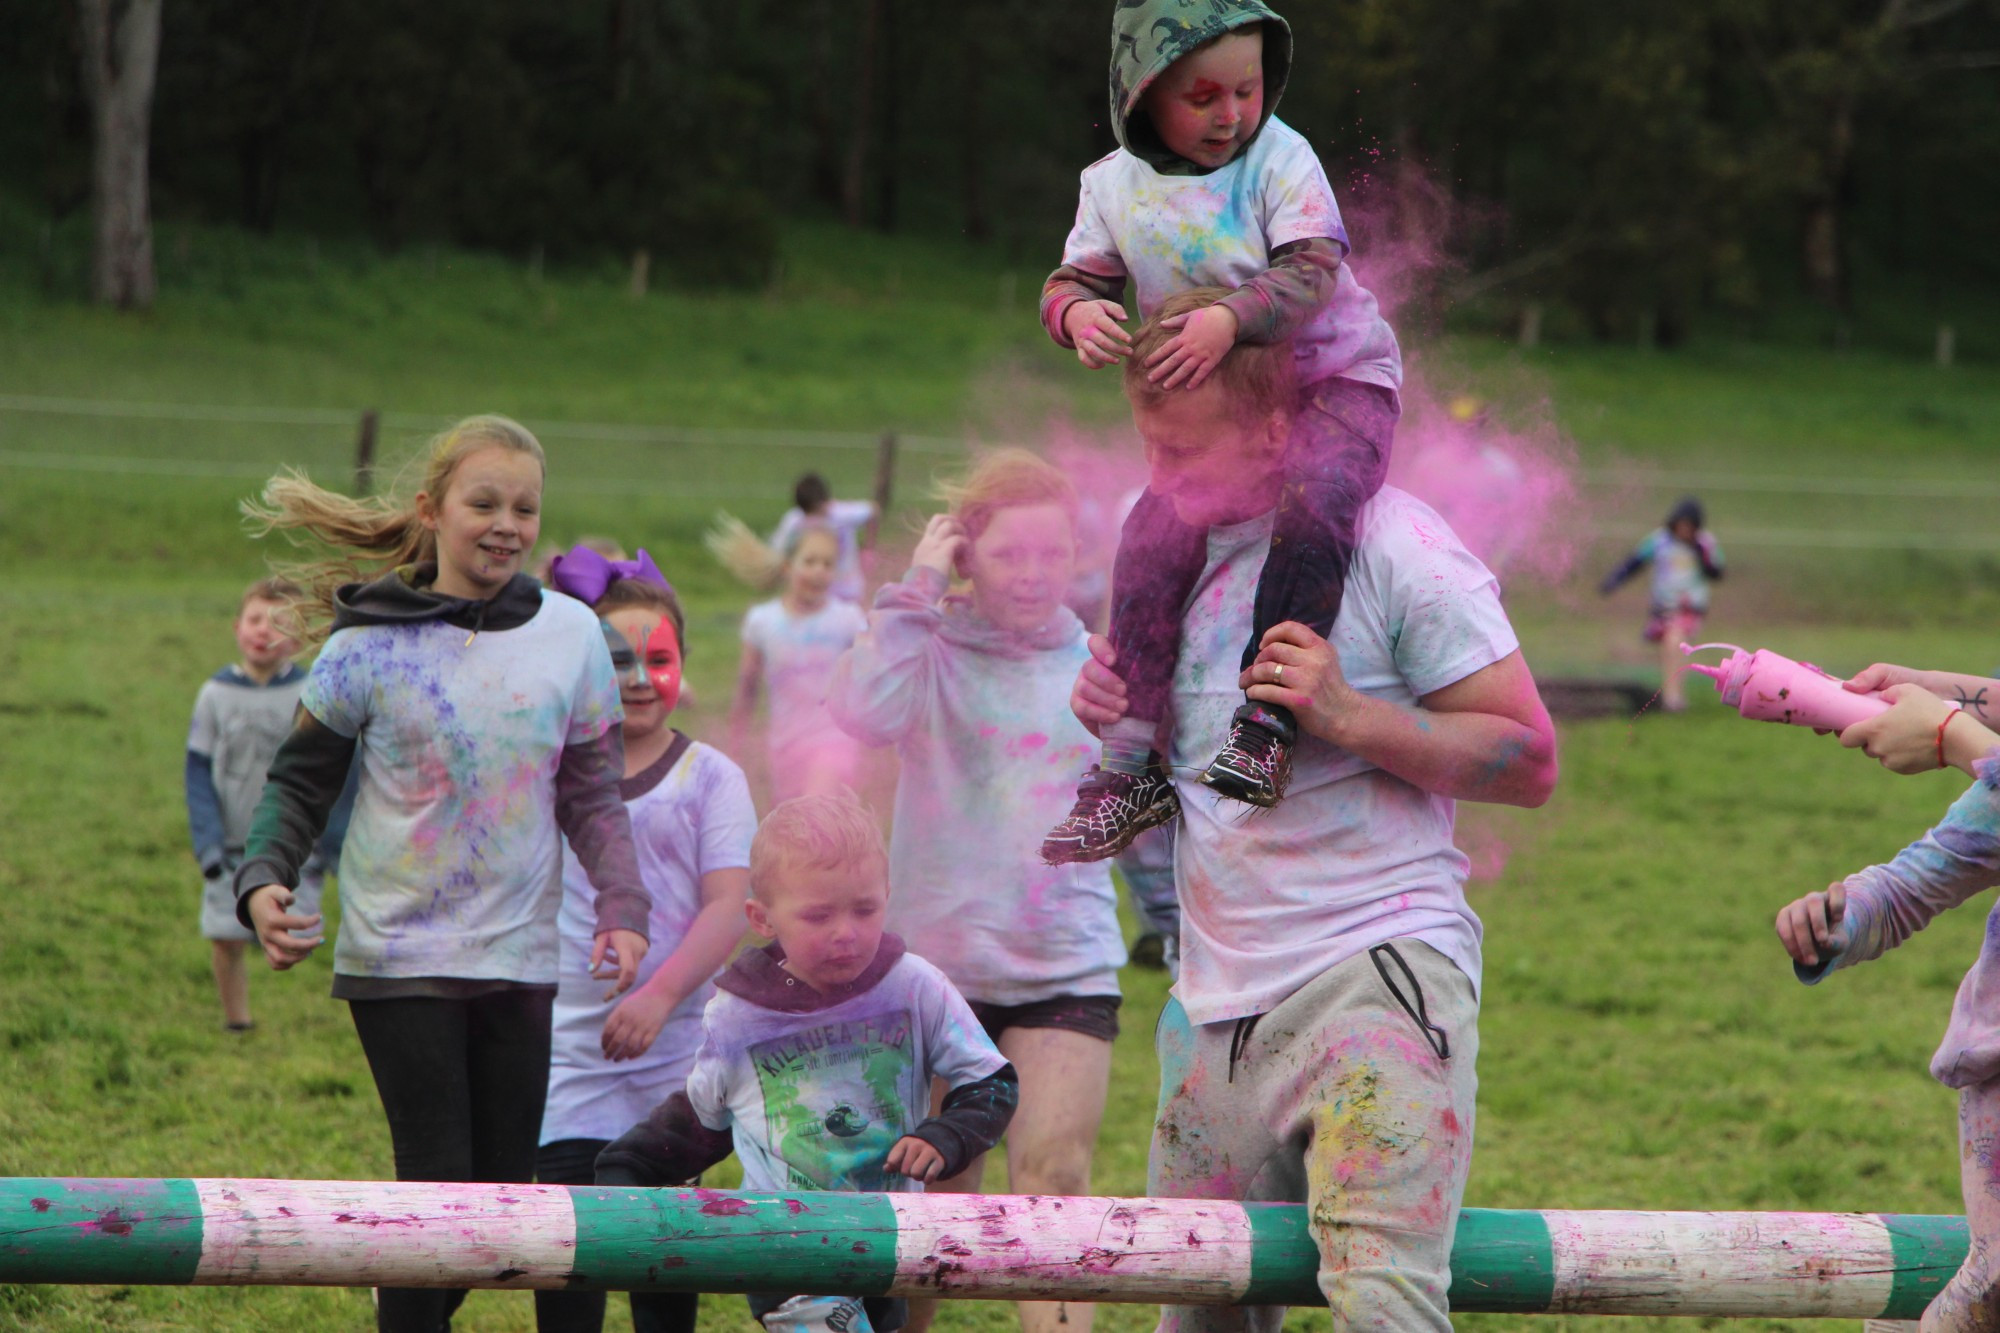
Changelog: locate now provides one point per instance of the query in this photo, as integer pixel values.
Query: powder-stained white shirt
(695, 820)
(1171, 233)
(799, 652)
(990, 756)
(816, 1100)
(1352, 856)
(453, 862)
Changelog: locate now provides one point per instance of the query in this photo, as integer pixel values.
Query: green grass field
(1644, 1045)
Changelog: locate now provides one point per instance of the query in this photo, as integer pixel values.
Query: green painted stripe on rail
(55, 1229)
(1502, 1260)
(1284, 1262)
(1927, 1251)
(707, 1240)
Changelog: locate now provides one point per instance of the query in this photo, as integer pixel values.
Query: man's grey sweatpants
(1341, 1099)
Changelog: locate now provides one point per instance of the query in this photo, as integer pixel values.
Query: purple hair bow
(584, 574)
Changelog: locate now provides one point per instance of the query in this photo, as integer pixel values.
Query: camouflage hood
(1149, 35)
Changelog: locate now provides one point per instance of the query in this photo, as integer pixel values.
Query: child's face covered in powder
(652, 689)
(827, 919)
(1022, 564)
(487, 520)
(1208, 103)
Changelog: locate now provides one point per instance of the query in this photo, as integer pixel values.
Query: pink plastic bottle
(1767, 687)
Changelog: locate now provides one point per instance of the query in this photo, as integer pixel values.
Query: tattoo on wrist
(1974, 703)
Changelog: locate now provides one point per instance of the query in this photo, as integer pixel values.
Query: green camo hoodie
(1149, 35)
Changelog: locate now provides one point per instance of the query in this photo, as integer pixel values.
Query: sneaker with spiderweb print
(1111, 809)
(1255, 764)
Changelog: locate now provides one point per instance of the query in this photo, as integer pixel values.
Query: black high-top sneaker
(1255, 764)
(1111, 809)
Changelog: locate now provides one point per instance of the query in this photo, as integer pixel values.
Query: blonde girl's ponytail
(368, 537)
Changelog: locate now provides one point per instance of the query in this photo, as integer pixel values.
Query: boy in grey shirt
(241, 714)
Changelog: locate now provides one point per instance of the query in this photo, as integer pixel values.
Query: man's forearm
(1466, 756)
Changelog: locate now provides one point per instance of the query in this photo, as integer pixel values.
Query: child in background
(1209, 188)
(973, 691)
(1685, 560)
(692, 822)
(483, 712)
(813, 502)
(241, 716)
(1874, 910)
(817, 1057)
(792, 641)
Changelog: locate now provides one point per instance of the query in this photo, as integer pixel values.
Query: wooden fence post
(364, 452)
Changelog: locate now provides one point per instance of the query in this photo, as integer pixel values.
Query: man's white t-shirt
(1169, 234)
(1352, 856)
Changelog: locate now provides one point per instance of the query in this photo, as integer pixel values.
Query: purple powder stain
(113, 1222)
(726, 1208)
(792, 1206)
(40, 1205)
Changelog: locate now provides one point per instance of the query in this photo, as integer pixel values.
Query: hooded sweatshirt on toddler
(482, 728)
(1264, 223)
(990, 756)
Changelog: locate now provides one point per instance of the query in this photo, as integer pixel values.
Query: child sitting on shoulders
(241, 716)
(817, 1057)
(692, 820)
(1210, 189)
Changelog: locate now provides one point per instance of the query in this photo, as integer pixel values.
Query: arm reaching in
(1921, 733)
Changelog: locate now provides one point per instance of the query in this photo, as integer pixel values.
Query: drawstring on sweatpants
(1435, 1035)
(1239, 1042)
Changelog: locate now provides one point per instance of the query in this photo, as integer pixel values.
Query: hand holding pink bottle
(1770, 687)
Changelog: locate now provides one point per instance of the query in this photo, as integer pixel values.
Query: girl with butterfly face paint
(692, 819)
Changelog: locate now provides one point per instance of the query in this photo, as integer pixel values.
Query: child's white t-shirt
(453, 862)
(799, 653)
(1169, 234)
(1353, 856)
(695, 819)
(816, 1100)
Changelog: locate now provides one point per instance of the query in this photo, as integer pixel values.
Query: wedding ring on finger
(1278, 672)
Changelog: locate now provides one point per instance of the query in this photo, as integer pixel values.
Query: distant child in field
(973, 691)
(483, 711)
(241, 716)
(1874, 910)
(813, 502)
(692, 820)
(1210, 189)
(1685, 559)
(817, 1056)
(790, 643)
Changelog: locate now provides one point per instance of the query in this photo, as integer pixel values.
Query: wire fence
(727, 441)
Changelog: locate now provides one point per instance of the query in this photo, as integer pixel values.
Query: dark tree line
(1638, 163)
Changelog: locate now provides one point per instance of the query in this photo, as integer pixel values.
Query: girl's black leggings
(574, 1162)
(463, 1082)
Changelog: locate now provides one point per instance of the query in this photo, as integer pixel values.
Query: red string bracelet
(1940, 736)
